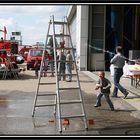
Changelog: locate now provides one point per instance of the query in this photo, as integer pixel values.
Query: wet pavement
(16, 104)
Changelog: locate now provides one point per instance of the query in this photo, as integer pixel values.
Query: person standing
(61, 65)
(36, 66)
(118, 61)
(45, 67)
(69, 66)
(104, 85)
(50, 63)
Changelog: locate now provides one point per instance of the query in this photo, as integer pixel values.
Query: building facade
(97, 30)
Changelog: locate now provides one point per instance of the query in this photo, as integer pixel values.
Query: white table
(128, 72)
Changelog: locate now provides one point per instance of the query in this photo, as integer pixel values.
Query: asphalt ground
(16, 104)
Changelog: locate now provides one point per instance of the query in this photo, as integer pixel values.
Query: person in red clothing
(36, 66)
(51, 63)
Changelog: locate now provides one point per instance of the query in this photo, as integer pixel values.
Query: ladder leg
(35, 100)
(33, 111)
(55, 107)
(59, 113)
(57, 80)
(85, 118)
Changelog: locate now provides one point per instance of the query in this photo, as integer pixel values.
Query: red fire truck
(32, 55)
(11, 48)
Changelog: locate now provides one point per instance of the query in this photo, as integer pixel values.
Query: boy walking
(104, 85)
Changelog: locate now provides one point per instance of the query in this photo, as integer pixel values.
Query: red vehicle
(9, 45)
(32, 55)
(23, 51)
(11, 48)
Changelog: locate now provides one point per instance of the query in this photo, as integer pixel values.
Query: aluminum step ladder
(60, 89)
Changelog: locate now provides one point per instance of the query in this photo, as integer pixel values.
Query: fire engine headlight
(19, 59)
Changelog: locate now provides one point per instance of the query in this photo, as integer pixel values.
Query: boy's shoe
(97, 105)
(68, 80)
(126, 93)
(112, 109)
(51, 75)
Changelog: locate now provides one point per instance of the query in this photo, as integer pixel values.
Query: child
(104, 85)
(36, 66)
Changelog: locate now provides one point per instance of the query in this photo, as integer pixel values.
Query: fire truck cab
(32, 55)
(23, 51)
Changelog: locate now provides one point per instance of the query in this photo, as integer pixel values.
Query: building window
(97, 32)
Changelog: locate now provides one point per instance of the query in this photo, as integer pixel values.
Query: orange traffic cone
(51, 121)
(66, 122)
(91, 121)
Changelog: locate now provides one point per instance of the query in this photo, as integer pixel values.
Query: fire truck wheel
(28, 68)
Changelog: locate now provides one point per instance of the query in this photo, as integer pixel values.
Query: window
(36, 52)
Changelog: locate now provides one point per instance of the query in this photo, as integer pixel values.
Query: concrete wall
(98, 61)
(82, 36)
(78, 18)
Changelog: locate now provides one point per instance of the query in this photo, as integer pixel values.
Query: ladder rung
(49, 48)
(46, 94)
(59, 35)
(66, 48)
(61, 48)
(68, 88)
(46, 83)
(66, 74)
(65, 61)
(74, 116)
(59, 22)
(45, 105)
(47, 71)
(50, 60)
(71, 102)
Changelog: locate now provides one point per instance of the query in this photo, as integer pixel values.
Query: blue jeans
(69, 71)
(62, 71)
(51, 67)
(118, 72)
(106, 95)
